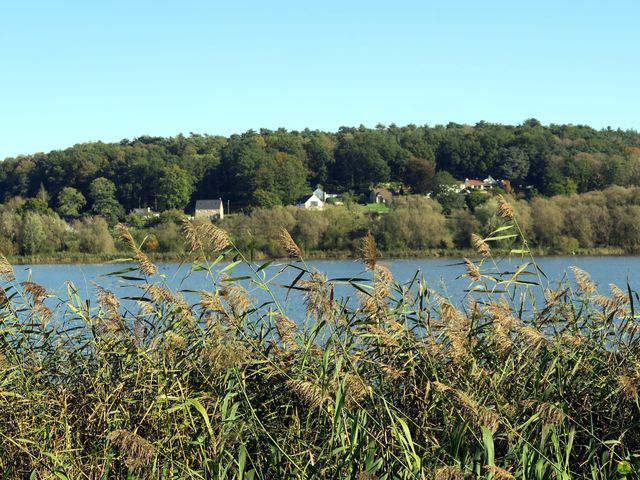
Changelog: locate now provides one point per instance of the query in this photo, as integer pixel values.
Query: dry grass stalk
(211, 302)
(607, 303)
(224, 354)
(573, 339)
(6, 270)
(391, 372)
(289, 244)
(309, 393)
(286, 330)
(449, 473)
(370, 304)
(552, 296)
(110, 303)
(498, 473)
(485, 417)
(35, 291)
(175, 341)
(458, 328)
(504, 209)
(44, 312)
(316, 298)
(532, 336)
(191, 233)
(369, 251)
(139, 452)
(628, 387)
(367, 476)
(125, 236)
(583, 281)
(159, 294)
(620, 296)
(473, 272)
(503, 324)
(382, 281)
(145, 265)
(480, 245)
(382, 336)
(237, 298)
(201, 236)
(356, 389)
(550, 414)
(218, 239)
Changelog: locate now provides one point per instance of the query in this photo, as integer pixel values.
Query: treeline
(269, 168)
(559, 224)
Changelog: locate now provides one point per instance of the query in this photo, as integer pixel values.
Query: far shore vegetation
(599, 222)
(575, 190)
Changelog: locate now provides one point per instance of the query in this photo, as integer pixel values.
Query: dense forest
(574, 188)
(269, 168)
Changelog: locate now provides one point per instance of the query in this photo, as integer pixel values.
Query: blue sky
(77, 71)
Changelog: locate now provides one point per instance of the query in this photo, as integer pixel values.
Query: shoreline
(83, 258)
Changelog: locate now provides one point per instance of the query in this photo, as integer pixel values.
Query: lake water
(442, 275)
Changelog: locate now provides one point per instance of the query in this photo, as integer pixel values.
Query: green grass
(376, 207)
(402, 384)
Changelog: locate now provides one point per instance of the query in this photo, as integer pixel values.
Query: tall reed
(520, 381)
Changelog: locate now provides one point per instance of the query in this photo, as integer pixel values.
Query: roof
(208, 204)
(383, 192)
(474, 182)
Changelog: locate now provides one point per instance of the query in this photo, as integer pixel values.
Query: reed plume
(473, 272)
(6, 270)
(504, 209)
(35, 291)
(290, 246)
(449, 473)
(286, 330)
(498, 473)
(480, 245)
(317, 297)
(368, 250)
(309, 393)
(211, 302)
(139, 452)
(145, 265)
(583, 281)
(201, 236)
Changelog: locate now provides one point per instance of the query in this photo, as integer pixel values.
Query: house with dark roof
(210, 209)
(381, 195)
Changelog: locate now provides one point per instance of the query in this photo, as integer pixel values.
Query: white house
(475, 184)
(313, 202)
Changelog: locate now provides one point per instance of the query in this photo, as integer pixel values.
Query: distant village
(214, 209)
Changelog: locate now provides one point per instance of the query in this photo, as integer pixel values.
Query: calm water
(442, 275)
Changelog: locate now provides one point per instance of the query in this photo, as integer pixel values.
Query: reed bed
(404, 384)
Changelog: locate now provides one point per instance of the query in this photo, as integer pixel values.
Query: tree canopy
(279, 166)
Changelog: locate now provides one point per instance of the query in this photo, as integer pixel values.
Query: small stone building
(211, 209)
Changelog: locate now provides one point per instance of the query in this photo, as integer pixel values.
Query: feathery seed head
(583, 281)
(480, 245)
(6, 270)
(504, 209)
(473, 272)
(289, 244)
(369, 251)
(139, 451)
